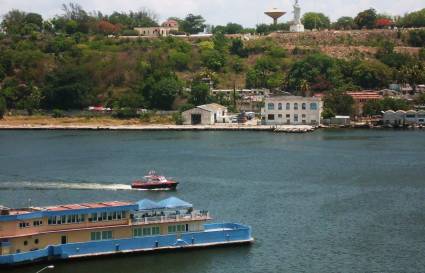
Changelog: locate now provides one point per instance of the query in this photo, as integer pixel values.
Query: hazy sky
(245, 12)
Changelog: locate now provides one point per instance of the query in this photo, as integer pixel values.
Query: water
(330, 201)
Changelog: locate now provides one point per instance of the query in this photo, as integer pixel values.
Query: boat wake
(63, 185)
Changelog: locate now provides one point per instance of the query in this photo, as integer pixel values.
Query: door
(64, 240)
(196, 119)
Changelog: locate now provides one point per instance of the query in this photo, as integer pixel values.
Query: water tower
(275, 14)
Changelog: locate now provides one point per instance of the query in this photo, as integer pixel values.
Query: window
(304, 106)
(270, 106)
(295, 118)
(313, 106)
(279, 106)
(37, 223)
(304, 116)
(279, 116)
(177, 228)
(36, 241)
(288, 106)
(172, 229)
(101, 235)
(155, 231)
(147, 231)
(295, 106)
(25, 243)
(288, 116)
(270, 117)
(24, 225)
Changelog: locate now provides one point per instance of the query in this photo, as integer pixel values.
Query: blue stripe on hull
(214, 234)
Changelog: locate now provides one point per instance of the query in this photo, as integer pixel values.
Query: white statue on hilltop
(297, 26)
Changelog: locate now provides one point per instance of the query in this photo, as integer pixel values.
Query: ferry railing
(195, 215)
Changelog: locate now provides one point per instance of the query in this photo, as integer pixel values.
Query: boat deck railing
(148, 219)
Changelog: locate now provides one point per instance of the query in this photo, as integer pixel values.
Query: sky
(219, 12)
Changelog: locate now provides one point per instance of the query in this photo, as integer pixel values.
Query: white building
(208, 114)
(292, 110)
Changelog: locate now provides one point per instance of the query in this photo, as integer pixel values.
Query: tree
(200, 93)
(213, 59)
(338, 102)
(237, 48)
(372, 74)
(107, 28)
(13, 22)
(164, 92)
(413, 74)
(35, 19)
(230, 28)
(372, 108)
(314, 20)
(345, 22)
(2, 107)
(413, 19)
(68, 87)
(320, 71)
(193, 24)
(179, 60)
(366, 19)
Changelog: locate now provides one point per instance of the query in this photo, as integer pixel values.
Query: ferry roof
(169, 203)
(60, 210)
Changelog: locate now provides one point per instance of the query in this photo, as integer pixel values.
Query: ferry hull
(155, 186)
(213, 235)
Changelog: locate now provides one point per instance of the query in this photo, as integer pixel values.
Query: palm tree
(304, 87)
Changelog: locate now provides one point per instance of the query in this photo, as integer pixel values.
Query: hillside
(73, 71)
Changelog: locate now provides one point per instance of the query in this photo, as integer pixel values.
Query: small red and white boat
(153, 181)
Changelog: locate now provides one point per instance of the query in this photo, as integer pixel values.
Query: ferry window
(114, 216)
(147, 231)
(104, 216)
(36, 241)
(304, 106)
(155, 231)
(124, 215)
(270, 106)
(288, 106)
(171, 229)
(99, 217)
(96, 236)
(109, 216)
(119, 215)
(313, 106)
(137, 232)
(106, 235)
(18, 251)
(63, 219)
(25, 243)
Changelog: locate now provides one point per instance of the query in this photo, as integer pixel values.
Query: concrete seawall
(226, 127)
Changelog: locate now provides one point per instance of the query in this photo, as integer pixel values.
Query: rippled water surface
(330, 201)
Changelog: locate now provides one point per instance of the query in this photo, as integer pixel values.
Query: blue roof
(174, 203)
(147, 204)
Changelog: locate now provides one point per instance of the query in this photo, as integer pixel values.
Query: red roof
(365, 95)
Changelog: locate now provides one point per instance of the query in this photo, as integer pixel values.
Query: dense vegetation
(71, 62)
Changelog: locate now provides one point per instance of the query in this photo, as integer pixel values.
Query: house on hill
(208, 114)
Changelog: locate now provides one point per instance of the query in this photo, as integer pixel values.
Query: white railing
(196, 215)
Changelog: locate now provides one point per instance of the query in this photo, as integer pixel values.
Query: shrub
(125, 113)
(2, 107)
(417, 38)
(57, 113)
(178, 118)
(146, 117)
